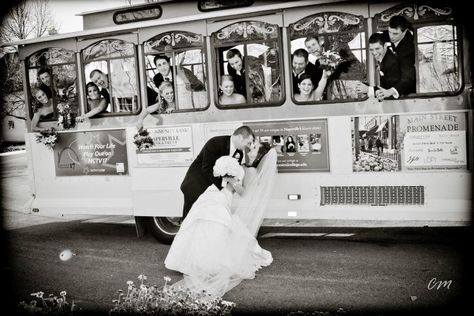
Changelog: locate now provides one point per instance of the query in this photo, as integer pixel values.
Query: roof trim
(131, 27)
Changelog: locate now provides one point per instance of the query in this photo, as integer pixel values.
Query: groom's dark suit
(405, 53)
(200, 174)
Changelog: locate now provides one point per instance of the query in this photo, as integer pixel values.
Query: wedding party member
(102, 81)
(165, 73)
(315, 50)
(45, 82)
(388, 69)
(96, 103)
(403, 46)
(166, 103)
(44, 109)
(236, 69)
(229, 96)
(307, 90)
(200, 174)
(301, 66)
(216, 248)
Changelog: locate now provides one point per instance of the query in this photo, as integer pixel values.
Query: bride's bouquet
(330, 60)
(48, 137)
(143, 140)
(228, 167)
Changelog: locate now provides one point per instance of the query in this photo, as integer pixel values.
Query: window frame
(243, 4)
(55, 103)
(216, 77)
(138, 9)
(176, 51)
(86, 80)
(420, 22)
(366, 50)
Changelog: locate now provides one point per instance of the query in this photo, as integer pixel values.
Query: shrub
(51, 305)
(169, 300)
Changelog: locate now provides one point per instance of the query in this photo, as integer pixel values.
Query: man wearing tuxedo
(403, 46)
(301, 65)
(200, 174)
(163, 67)
(388, 68)
(315, 50)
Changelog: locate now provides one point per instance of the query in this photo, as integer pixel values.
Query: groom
(200, 174)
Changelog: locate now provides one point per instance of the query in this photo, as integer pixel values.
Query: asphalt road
(363, 271)
(371, 271)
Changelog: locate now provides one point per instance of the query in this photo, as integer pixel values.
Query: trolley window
(436, 41)
(248, 65)
(110, 70)
(176, 71)
(52, 75)
(328, 57)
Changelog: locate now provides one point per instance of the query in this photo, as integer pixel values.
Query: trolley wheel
(164, 228)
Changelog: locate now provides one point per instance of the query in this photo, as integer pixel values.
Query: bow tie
(238, 154)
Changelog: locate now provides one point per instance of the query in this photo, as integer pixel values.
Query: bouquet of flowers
(227, 166)
(143, 140)
(66, 118)
(48, 137)
(330, 60)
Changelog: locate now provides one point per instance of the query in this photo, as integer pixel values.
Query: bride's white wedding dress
(216, 248)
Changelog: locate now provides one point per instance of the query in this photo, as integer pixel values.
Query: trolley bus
(344, 159)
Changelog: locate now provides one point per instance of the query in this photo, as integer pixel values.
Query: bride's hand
(235, 184)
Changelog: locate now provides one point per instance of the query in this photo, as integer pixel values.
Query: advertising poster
(302, 146)
(434, 141)
(91, 153)
(375, 147)
(172, 147)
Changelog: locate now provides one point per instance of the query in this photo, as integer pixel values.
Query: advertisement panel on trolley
(91, 153)
(302, 146)
(172, 146)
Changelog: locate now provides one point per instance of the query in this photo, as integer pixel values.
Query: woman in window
(228, 95)
(44, 109)
(166, 103)
(96, 102)
(306, 87)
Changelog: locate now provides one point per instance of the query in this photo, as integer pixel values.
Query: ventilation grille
(373, 195)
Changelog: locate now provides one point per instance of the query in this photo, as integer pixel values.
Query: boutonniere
(381, 73)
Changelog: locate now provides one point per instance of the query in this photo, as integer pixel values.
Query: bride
(216, 248)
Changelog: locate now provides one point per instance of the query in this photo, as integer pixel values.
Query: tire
(164, 228)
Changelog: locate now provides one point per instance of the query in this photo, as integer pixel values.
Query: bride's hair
(262, 151)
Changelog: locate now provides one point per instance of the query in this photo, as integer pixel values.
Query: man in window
(403, 46)
(45, 82)
(236, 69)
(301, 65)
(315, 49)
(163, 67)
(388, 69)
(102, 81)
